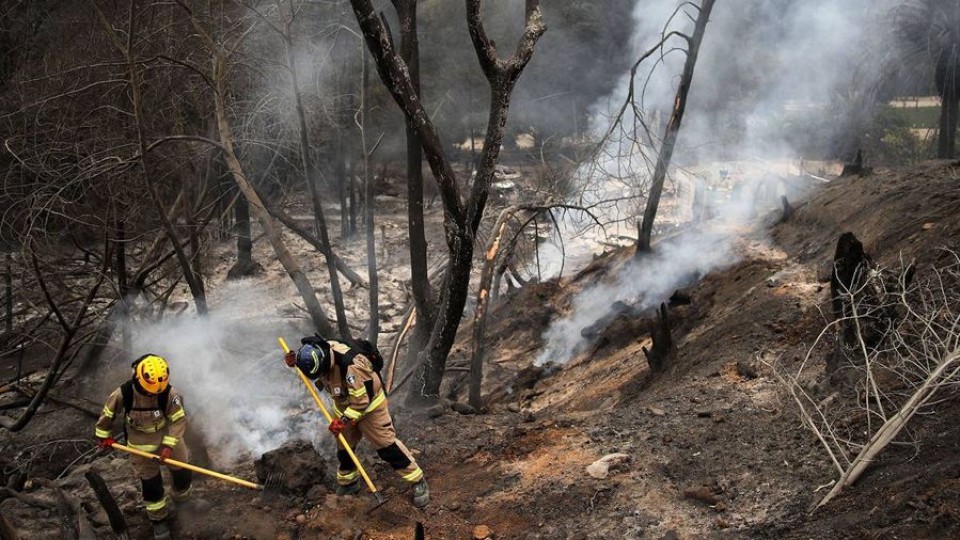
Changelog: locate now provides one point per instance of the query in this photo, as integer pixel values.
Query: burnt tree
(423, 295)
(461, 214)
(863, 300)
(661, 351)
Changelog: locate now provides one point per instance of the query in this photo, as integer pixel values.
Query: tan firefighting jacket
(356, 392)
(147, 429)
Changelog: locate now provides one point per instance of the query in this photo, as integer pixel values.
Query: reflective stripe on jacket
(147, 427)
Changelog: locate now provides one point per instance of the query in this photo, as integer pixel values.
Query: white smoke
(228, 365)
(645, 283)
(760, 59)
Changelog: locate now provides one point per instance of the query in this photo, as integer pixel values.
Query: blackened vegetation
(864, 301)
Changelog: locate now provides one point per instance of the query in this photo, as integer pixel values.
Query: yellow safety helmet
(152, 373)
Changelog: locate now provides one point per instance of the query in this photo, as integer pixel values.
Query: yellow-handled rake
(273, 481)
(343, 442)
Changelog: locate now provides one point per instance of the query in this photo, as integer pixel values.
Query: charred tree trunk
(369, 207)
(245, 265)
(483, 305)
(123, 287)
(949, 113)
(850, 265)
(8, 295)
(788, 210)
(340, 170)
(661, 352)
(309, 174)
(352, 195)
(193, 230)
(117, 523)
(460, 218)
(645, 229)
(420, 283)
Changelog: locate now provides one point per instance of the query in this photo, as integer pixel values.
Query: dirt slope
(715, 449)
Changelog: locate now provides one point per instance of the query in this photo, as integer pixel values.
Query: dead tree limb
(408, 320)
(483, 303)
(290, 223)
(117, 522)
(645, 229)
(946, 371)
(69, 331)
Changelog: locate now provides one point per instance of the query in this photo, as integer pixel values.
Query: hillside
(713, 447)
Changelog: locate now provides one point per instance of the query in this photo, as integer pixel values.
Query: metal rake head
(273, 482)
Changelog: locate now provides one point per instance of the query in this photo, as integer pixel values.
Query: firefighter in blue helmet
(352, 379)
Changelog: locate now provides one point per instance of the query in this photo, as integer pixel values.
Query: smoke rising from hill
(761, 62)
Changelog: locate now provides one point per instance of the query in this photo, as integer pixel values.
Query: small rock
(927, 226)
(300, 519)
(481, 532)
(317, 492)
(657, 411)
(436, 411)
(513, 407)
(463, 408)
(773, 282)
(600, 468)
(702, 494)
(453, 507)
(747, 370)
(100, 518)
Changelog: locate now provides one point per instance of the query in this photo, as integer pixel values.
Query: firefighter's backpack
(126, 391)
(364, 347)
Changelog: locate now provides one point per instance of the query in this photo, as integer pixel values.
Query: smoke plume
(237, 391)
(762, 62)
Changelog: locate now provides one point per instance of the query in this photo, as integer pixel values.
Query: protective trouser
(377, 427)
(154, 499)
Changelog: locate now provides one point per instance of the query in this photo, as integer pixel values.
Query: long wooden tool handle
(187, 466)
(326, 414)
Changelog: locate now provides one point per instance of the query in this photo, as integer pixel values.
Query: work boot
(349, 489)
(421, 493)
(161, 530)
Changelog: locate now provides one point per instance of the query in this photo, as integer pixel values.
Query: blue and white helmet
(312, 360)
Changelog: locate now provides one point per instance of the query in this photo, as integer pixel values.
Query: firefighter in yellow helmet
(151, 414)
